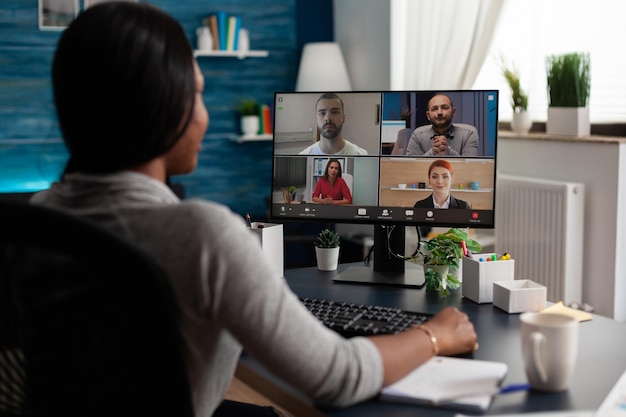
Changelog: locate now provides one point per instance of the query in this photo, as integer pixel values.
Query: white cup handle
(537, 339)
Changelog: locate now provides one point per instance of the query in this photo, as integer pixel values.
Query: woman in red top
(331, 188)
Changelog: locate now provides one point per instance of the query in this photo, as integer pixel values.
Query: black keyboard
(353, 319)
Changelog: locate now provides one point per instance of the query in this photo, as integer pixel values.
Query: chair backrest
(88, 322)
(402, 141)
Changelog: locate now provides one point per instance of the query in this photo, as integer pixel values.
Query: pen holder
(479, 274)
(271, 237)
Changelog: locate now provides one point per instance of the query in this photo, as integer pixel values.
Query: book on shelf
(234, 23)
(214, 31)
(225, 30)
(266, 117)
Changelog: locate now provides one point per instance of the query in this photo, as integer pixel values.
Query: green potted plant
(327, 250)
(443, 253)
(292, 192)
(249, 117)
(521, 122)
(569, 87)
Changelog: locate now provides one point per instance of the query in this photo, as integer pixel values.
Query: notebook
(456, 383)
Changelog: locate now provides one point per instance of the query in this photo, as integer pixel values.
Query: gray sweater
(228, 296)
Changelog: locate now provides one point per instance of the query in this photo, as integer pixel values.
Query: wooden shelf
(231, 54)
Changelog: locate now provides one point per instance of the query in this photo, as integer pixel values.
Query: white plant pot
(568, 121)
(327, 258)
(521, 122)
(250, 125)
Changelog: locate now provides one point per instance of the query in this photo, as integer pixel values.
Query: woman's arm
(318, 191)
(347, 197)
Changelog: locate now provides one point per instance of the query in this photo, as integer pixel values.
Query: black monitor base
(389, 268)
(411, 277)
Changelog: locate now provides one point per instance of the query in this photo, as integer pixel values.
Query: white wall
(599, 163)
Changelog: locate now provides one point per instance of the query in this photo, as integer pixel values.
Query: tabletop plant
(248, 107)
(327, 239)
(569, 79)
(519, 98)
(439, 254)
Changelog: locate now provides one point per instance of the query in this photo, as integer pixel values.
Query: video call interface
(401, 162)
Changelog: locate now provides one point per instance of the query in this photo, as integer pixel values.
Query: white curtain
(440, 44)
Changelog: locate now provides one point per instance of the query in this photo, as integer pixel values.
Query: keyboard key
(353, 319)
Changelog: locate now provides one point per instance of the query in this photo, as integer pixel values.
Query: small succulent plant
(327, 239)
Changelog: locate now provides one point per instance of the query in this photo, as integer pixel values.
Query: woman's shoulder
(425, 203)
(460, 203)
(193, 215)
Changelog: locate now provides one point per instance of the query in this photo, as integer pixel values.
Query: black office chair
(88, 322)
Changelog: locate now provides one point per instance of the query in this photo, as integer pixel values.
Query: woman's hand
(454, 332)
(401, 353)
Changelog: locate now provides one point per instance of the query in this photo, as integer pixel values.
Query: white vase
(568, 121)
(327, 258)
(205, 40)
(250, 125)
(521, 122)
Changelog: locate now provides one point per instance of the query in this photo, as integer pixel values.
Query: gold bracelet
(432, 338)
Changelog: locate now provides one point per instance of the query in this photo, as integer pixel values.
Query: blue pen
(514, 387)
(507, 389)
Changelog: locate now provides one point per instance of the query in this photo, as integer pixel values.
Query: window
(531, 30)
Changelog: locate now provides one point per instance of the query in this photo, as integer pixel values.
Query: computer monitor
(397, 168)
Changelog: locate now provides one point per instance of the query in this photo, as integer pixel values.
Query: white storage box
(480, 274)
(271, 237)
(519, 296)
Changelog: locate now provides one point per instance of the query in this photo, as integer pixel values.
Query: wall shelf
(251, 138)
(231, 54)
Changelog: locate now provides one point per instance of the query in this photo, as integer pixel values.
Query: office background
(237, 175)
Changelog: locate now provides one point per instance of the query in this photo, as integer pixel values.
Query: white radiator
(541, 224)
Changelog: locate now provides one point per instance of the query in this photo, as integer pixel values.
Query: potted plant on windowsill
(520, 122)
(440, 255)
(569, 86)
(327, 250)
(249, 117)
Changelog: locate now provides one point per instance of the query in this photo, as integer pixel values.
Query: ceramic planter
(250, 125)
(327, 258)
(568, 121)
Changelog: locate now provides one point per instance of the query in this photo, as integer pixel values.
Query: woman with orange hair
(440, 176)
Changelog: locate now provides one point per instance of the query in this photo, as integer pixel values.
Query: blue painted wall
(238, 175)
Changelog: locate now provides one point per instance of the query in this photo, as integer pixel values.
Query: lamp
(322, 68)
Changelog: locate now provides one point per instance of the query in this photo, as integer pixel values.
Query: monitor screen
(388, 158)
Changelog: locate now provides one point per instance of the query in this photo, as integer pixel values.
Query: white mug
(550, 349)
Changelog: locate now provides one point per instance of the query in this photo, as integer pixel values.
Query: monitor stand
(386, 269)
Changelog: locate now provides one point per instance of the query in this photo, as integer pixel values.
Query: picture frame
(89, 3)
(56, 14)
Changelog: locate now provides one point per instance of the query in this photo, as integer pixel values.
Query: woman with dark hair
(129, 100)
(440, 177)
(331, 188)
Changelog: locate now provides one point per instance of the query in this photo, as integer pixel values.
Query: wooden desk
(601, 358)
